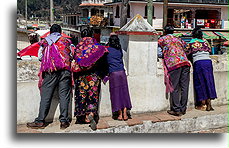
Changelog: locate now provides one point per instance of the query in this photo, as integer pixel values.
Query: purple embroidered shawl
(87, 52)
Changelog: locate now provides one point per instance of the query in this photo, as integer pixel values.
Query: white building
(181, 13)
(94, 7)
(88, 9)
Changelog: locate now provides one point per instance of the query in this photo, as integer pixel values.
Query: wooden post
(51, 12)
(150, 12)
(123, 19)
(165, 13)
(26, 14)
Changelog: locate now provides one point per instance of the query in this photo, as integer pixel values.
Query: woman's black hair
(197, 33)
(168, 29)
(114, 42)
(86, 33)
(55, 28)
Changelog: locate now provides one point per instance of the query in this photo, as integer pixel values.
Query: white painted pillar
(89, 12)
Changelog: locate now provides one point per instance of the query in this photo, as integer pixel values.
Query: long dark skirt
(119, 93)
(87, 90)
(203, 77)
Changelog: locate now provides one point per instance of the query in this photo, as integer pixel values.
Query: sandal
(120, 116)
(92, 123)
(125, 115)
(202, 107)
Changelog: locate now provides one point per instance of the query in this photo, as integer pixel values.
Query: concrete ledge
(156, 122)
(179, 126)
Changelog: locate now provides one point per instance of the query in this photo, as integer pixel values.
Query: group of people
(87, 64)
(177, 55)
(82, 67)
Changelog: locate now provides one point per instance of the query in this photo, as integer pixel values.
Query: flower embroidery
(91, 83)
(82, 91)
(197, 45)
(94, 78)
(82, 84)
(86, 87)
(94, 88)
(89, 78)
(90, 93)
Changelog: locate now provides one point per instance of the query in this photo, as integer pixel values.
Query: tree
(40, 8)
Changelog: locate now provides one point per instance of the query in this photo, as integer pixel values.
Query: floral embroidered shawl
(196, 45)
(86, 53)
(173, 51)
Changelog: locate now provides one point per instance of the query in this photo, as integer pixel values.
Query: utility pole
(51, 12)
(150, 12)
(165, 13)
(26, 14)
(123, 19)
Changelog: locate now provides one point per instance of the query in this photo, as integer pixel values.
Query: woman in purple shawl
(87, 68)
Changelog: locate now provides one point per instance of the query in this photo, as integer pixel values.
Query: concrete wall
(224, 16)
(146, 85)
(158, 13)
(22, 40)
(137, 8)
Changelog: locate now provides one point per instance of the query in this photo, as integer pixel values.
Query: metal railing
(199, 1)
(225, 2)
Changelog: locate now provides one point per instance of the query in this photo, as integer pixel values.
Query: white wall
(145, 79)
(224, 16)
(137, 8)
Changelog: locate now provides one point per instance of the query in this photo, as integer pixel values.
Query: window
(117, 12)
(128, 11)
(147, 10)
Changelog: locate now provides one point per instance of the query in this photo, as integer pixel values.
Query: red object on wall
(31, 50)
(207, 25)
(212, 21)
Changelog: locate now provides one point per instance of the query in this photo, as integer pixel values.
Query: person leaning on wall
(87, 68)
(178, 67)
(118, 86)
(55, 57)
(199, 50)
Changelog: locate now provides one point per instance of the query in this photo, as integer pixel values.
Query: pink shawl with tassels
(167, 81)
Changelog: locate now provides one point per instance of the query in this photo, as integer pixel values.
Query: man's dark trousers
(180, 78)
(62, 80)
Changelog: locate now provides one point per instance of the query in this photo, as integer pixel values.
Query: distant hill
(40, 8)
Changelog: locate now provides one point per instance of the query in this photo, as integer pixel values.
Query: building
(184, 15)
(91, 12)
(181, 13)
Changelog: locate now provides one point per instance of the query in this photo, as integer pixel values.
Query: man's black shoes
(64, 125)
(175, 113)
(36, 125)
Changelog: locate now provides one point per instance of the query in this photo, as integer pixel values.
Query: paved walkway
(155, 122)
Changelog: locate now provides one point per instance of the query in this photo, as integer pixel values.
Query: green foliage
(40, 8)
